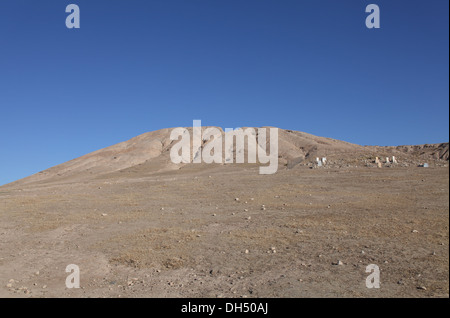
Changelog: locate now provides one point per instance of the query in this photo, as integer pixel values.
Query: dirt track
(184, 234)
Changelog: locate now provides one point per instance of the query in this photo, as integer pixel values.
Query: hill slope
(151, 153)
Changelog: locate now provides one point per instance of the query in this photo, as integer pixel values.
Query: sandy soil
(184, 234)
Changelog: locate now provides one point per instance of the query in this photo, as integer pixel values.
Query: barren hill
(150, 152)
(138, 225)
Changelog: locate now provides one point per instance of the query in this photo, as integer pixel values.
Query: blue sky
(140, 65)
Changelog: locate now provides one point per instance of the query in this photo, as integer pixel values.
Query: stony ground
(218, 231)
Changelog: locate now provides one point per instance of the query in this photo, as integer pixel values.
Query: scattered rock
(104, 214)
(414, 231)
(338, 263)
(421, 288)
(236, 199)
(246, 251)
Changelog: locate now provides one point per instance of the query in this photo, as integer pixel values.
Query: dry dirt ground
(184, 234)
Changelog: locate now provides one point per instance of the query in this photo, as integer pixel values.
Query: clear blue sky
(141, 65)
